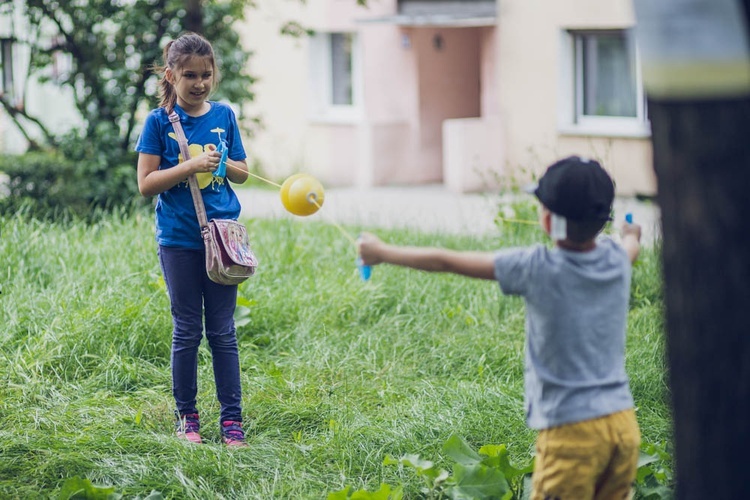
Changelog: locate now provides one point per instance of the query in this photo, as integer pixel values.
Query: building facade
(473, 93)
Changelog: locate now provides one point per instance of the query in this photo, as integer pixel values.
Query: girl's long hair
(176, 52)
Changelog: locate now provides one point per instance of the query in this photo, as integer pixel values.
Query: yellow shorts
(594, 459)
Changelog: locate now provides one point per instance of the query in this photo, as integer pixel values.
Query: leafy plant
(486, 475)
(112, 47)
(654, 478)
(49, 185)
(489, 475)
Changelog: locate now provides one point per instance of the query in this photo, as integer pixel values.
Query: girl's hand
(206, 162)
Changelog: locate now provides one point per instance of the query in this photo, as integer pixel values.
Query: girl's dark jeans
(192, 293)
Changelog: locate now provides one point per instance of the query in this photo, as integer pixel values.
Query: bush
(78, 180)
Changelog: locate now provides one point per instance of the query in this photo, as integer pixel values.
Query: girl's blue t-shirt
(176, 220)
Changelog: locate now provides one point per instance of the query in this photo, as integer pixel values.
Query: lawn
(337, 373)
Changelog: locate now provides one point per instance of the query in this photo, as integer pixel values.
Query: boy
(576, 390)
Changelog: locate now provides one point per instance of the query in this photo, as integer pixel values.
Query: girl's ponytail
(168, 95)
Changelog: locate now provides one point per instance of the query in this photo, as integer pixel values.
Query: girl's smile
(193, 82)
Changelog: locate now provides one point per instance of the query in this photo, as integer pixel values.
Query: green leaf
(645, 459)
(457, 449)
(499, 457)
(384, 493)
(416, 462)
(478, 482)
(245, 302)
(78, 488)
(339, 495)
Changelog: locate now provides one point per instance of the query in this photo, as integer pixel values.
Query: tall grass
(337, 373)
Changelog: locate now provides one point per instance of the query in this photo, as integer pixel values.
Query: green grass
(336, 373)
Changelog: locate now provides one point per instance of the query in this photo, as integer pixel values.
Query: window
(604, 89)
(6, 62)
(334, 72)
(341, 69)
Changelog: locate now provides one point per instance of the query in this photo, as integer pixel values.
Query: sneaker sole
(192, 437)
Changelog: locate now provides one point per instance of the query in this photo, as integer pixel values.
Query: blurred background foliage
(113, 44)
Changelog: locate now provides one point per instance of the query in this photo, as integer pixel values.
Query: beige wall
(408, 88)
(414, 100)
(529, 47)
(296, 137)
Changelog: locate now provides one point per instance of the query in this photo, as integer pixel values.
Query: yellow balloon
(302, 194)
(284, 192)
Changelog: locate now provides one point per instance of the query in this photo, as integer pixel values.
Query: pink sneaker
(188, 428)
(232, 433)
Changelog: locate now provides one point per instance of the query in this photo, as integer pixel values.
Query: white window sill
(603, 129)
(336, 117)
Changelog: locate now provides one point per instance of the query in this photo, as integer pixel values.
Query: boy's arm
(472, 264)
(631, 240)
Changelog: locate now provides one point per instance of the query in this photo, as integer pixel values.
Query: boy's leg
(220, 302)
(572, 460)
(182, 269)
(617, 480)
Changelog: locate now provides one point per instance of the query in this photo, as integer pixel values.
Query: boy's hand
(631, 229)
(631, 239)
(370, 247)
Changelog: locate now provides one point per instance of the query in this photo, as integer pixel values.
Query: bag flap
(235, 242)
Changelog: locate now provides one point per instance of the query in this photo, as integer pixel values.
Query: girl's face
(192, 83)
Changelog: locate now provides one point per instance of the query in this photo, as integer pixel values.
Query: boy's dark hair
(583, 231)
(175, 53)
(581, 191)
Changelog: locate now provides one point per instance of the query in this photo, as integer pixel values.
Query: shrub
(78, 180)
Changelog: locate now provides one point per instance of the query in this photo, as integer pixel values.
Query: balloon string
(311, 198)
(519, 221)
(233, 165)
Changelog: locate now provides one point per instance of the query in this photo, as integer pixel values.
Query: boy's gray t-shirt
(576, 316)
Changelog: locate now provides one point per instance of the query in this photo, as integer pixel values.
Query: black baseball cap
(576, 188)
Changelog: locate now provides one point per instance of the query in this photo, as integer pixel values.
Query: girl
(188, 76)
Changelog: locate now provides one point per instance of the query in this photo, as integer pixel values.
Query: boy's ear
(545, 219)
(169, 75)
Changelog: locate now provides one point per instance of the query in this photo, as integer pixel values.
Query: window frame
(323, 110)
(571, 119)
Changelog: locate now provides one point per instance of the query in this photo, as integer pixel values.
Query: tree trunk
(702, 163)
(194, 16)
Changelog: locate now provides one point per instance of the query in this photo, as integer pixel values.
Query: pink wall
(411, 88)
(390, 100)
(449, 87)
(490, 82)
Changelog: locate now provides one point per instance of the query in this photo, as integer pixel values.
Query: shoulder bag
(229, 258)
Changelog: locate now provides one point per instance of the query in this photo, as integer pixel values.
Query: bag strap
(195, 190)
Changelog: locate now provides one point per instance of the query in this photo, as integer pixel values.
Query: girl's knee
(187, 338)
(225, 339)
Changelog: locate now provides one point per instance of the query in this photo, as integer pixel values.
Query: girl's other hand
(206, 162)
